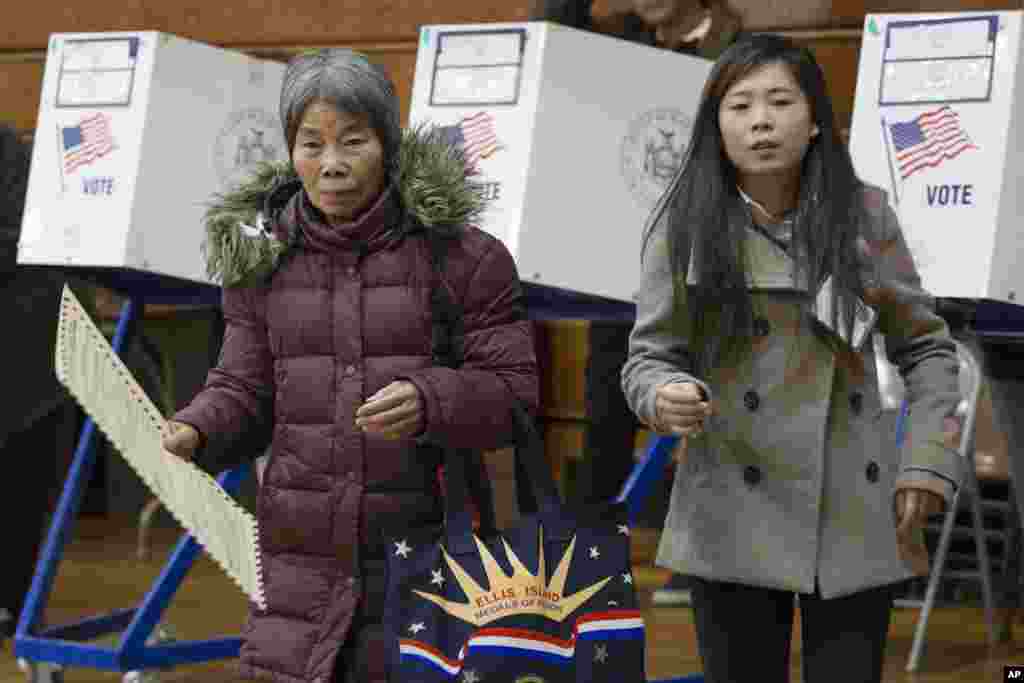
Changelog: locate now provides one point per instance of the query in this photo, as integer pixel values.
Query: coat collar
(370, 232)
(250, 229)
(769, 266)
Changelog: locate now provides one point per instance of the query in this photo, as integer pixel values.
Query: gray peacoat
(792, 481)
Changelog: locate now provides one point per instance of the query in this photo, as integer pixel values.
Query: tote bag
(548, 601)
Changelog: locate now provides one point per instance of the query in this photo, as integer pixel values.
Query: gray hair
(350, 82)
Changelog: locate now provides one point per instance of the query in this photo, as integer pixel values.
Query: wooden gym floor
(100, 573)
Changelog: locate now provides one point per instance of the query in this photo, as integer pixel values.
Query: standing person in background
(702, 28)
(38, 419)
(793, 482)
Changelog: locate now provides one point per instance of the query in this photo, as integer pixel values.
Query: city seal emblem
(652, 152)
(248, 137)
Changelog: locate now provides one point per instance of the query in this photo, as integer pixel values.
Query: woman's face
(766, 123)
(340, 160)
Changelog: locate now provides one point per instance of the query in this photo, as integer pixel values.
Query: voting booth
(574, 136)
(937, 122)
(135, 132)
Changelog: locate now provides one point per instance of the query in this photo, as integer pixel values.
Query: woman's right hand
(181, 440)
(680, 408)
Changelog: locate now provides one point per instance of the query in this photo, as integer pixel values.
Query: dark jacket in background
(29, 299)
(37, 418)
(577, 14)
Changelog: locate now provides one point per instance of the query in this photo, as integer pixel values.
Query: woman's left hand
(913, 508)
(396, 411)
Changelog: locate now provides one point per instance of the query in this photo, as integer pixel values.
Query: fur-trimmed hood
(245, 243)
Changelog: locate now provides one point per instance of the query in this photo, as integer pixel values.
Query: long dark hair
(703, 201)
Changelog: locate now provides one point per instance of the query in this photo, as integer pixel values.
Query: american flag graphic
(83, 144)
(928, 140)
(476, 135)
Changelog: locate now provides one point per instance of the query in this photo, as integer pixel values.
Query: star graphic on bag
(627, 578)
(594, 553)
(601, 654)
(402, 549)
(624, 530)
(438, 579)
(417, 627)
(470, 676)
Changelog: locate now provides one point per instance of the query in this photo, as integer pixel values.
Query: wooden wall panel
(259, 22)
(838, 56)
(386, 30)
(401, 66)
(20, 82)
(851, 12)
(763, 15)
(562, 350)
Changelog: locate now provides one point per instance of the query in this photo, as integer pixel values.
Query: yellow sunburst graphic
(522, 592)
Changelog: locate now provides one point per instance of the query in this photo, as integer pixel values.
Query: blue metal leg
(636, 489)
(133, 644)
(64, 644)
(61, 644)
(646, 473)
(70, 501)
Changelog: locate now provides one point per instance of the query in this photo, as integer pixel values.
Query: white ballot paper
(106, 390)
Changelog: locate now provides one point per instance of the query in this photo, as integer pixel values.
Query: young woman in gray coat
(768, 248)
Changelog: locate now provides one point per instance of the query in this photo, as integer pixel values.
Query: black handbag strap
(465, 472)
(462, 466)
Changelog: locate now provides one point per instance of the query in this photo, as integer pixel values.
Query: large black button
(762, 328)
(856, 402)
(751, 400)
(871, 472)
(752, 475)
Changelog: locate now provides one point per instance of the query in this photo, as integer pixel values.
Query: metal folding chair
(970, 386)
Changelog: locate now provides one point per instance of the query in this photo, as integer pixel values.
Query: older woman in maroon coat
(327, 271)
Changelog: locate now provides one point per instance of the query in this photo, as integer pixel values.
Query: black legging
(611, 430)
(744, 633)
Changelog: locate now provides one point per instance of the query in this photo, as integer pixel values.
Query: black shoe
(7, 624)
(675, 593)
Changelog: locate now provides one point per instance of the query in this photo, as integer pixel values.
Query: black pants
(611, 433)
(31, 457)
(744, 634)
(610, 438)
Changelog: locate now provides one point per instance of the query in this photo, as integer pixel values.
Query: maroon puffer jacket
(345, 314)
